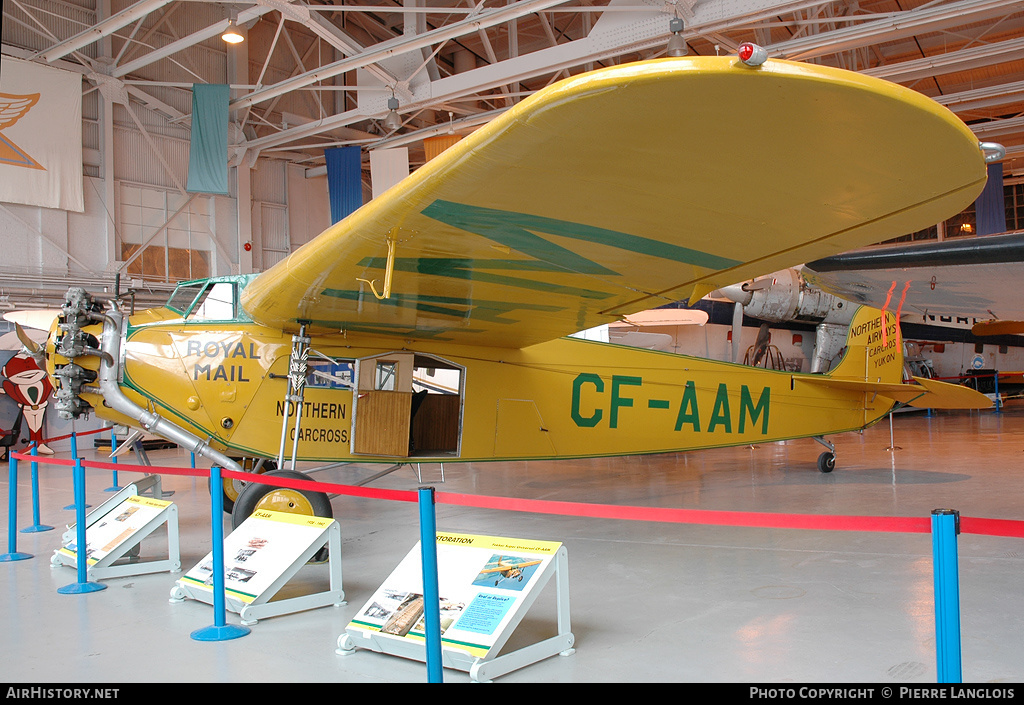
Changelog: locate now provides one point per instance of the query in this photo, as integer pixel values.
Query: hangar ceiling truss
(317, 74)
(313, 74)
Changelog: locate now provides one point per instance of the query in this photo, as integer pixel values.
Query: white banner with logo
(40, 136)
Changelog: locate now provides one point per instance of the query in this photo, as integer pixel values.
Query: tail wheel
(827, 462)
(257, 496)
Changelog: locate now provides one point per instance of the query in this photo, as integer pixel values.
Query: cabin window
(386, 373)
(216, 303)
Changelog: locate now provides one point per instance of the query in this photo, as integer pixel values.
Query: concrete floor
(649, 601)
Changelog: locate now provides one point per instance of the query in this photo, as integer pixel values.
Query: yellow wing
(626, 188)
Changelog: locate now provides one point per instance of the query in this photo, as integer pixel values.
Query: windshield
(183, 296)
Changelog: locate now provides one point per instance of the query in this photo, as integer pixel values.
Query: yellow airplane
(506, 570)
(606, 194)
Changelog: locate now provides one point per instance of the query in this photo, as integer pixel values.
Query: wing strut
(297, 367)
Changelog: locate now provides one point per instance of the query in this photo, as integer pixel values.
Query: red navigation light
(751, 54)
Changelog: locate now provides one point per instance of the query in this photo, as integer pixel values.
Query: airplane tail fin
(873, 363)
(874, 349)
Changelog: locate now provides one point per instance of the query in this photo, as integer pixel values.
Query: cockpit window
(216, 303)
(183, 296)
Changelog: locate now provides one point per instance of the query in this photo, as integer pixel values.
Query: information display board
(260, 556)
(486, 585)
(116, 528)
(114, 532)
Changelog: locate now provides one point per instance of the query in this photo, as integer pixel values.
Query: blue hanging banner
(208, 151)
(344, 180)
(990, 207)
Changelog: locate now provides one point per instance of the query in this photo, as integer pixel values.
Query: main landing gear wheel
(233, 487)
(827, 462)
(282, 499)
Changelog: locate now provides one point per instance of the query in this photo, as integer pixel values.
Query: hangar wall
(287, 210)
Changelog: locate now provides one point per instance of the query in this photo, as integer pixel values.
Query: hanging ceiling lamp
(231, 34)
(392, 122)
(676, 43)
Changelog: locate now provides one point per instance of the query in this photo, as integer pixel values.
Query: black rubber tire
(827, 462)
(252, 494)
(227, 499)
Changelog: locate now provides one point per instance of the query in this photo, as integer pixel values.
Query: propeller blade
(34, 349)
(39, 318)
(31, 346)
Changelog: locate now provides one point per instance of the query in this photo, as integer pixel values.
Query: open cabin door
(408, 405)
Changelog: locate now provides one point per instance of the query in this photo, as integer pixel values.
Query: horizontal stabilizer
(900, 392)
(925, 394)
(943, 395)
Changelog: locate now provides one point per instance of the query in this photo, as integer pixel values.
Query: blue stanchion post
(431, 591)
(74, 456)
(81, 548)
(36, 526)
(220, 630)
(113, 458)
(12, 514)
(945, 526)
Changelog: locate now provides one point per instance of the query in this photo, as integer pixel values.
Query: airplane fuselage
(228, 382)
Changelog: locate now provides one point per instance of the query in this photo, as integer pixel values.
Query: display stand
(115, 530)
(260, 557)
(487, 586)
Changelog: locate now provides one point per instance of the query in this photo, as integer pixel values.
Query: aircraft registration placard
(117, 526)
(258, 552)
(482, 580)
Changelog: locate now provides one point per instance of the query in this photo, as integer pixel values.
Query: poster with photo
(258, 552)
(116, 527)
(482, 581)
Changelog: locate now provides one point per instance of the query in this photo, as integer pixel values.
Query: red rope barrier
(992, 527)
(819, 522)
(351, 490)
(147, 469)
(692, 516)
(74, 433)
(39, 459)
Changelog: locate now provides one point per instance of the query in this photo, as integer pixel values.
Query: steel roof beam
(962, 60)
(101, 29)
(213, 30)
(899, 26)
(980, 98)
(552, 59)
(399, 45)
